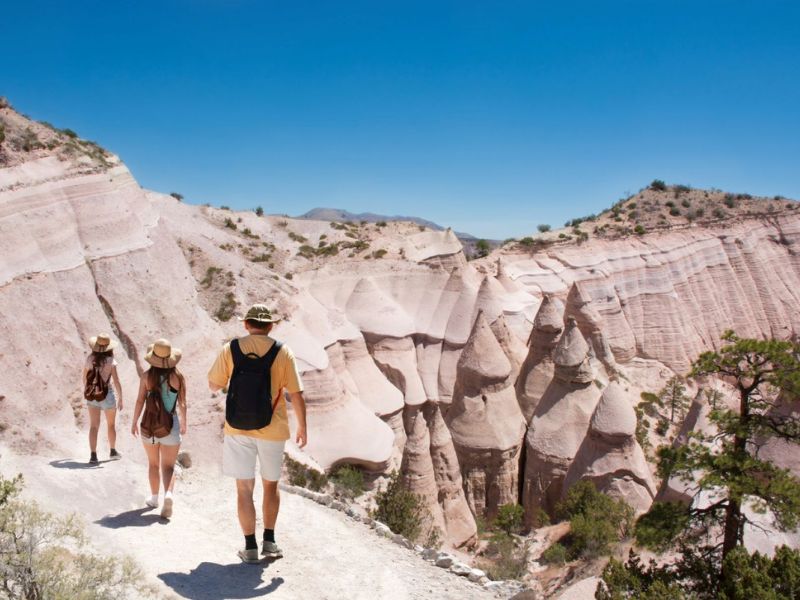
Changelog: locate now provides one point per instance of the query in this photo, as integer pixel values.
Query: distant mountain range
(338, 214)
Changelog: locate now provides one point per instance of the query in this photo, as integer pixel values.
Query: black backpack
(249, 403)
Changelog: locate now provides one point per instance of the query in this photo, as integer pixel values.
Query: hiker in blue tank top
(256, 370)
(162, 405)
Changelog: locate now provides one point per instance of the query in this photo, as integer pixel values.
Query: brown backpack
(156, 421)
(95, 387)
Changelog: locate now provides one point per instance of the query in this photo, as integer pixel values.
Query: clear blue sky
(490, 117)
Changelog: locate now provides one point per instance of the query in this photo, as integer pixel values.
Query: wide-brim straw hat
(260, 313)
(102, 342)
(161, 354)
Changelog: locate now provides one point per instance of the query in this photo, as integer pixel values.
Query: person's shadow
(212, 581)
(132, 518)
(66, 463)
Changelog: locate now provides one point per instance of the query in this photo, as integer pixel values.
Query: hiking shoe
(271, 550)
(114, 455)
(93, 459)
(166, 511)
(249, 556)
(152, 501)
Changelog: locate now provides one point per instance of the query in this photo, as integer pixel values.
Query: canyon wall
(498, 380)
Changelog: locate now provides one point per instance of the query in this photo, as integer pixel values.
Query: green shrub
(504, 558)
(297, 237)
(543, 227)
(45, 556)
(177, 196)
(348, 481)
(509, 518)
(381, 224)
(719, 213)
(303, 476)
(209, 278)
(398, 508)
(596, 521)
(554, 555)
(223, 207)
(379, 253)
(686, 203)
(259, 211)
(527, 242)
(483, 248)
(289, 276)
(729, 201)
(658, 185)
(675, 212)
(226, 308)
(230, 224)
(639, 230)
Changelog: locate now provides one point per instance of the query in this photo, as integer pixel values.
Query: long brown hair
(99, 357)
(155, 375)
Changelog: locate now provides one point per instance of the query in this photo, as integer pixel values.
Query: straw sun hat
(161, 354)
(101, 343)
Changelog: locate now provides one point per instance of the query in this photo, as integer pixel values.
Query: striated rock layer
(414, 358)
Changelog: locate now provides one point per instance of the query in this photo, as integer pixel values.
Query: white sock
(168, 494)
(153, 499)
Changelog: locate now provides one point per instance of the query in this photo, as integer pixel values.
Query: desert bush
(177, 196)
(379, 253)
(230, 224)
(505, 559)
(259, 211)
(686, 203)
(543, 227)
(729, 200)
(303, 476)
(639, 230)
(675, 212)
(658, 185)
(719, 213)
(509, 518)
(227, 307)
(483, 248)
(348, 481)
(297, 237)
(681, 189)
(43, 556)
(4, 102)
(381, 224)
(596, 521)
(554, 555)
(28, 141)
(527, 242)
(400, 509)
(209, 278)
(2, 133)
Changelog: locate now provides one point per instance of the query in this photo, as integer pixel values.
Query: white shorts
(239, 457)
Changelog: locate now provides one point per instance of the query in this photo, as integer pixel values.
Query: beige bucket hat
(101, 343)
(260, 313)
(161, 354)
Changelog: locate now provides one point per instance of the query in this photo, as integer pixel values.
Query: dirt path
(327, 555)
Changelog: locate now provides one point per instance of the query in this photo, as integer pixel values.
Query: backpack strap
(236, 352)
(271, 356)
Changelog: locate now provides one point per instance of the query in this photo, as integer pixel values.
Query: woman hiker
(161, 384)
(99, 371)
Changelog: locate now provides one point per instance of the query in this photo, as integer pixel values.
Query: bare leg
(111, 416)
(245, 506)
(168, 456)
(271, 503)
(152, 451)
(94, 426)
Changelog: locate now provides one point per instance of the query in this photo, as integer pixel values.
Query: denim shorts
(108, 403)
(173, 439)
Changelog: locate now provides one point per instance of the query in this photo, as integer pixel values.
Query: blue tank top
(168, 397)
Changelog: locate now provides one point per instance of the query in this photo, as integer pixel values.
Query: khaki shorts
(239, 457)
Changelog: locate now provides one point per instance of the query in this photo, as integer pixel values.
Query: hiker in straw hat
(162, 383)
(256, 422)
(99, 371)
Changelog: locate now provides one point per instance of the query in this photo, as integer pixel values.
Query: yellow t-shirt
(283, 375)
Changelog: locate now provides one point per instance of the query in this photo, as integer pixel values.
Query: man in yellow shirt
(251, 357)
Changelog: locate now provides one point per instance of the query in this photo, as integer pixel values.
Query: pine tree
(674, 398)
(725, 466)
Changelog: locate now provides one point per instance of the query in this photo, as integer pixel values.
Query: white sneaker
(166, 511)
(152, 501)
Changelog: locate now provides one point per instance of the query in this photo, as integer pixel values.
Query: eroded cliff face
(467, 375)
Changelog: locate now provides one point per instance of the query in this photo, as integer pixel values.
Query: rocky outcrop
(538, 369)
(559, 424)
(610, 457)
(486, 422)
